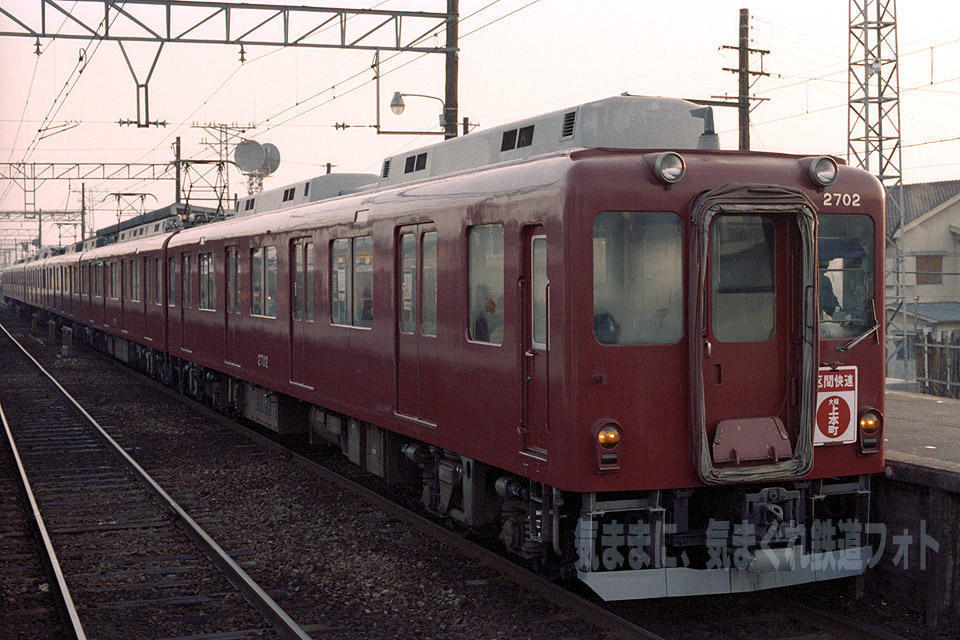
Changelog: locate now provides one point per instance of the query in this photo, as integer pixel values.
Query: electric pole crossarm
(263, 24)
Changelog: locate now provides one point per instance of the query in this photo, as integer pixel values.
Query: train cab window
(171, 282)
(485, 249)
(744, 278)
(845, 270)
(428, 248)
(637, 278)
(208, 284)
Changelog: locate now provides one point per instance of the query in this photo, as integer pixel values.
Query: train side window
(186, 280)
(172, 282)
(308, 286)
(208, 284)
(408, 283)
(485, 249)
(263, 281)
(233, 299)
(158, 290)
(134, 279)
(637, 278)
(340, 285)
(363, 281)
(428, 248)
(115, 279)
(744, 278)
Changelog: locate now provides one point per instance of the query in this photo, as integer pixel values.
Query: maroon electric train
(637, 359)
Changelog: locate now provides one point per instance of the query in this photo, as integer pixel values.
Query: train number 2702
(841, 199)
(262, 360)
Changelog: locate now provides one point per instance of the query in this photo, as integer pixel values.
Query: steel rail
(66, 600)
(251, 591)
(834, 622)
(517, 574)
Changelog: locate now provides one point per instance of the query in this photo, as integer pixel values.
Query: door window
(744, 277)
(538, 278)
(408, 283)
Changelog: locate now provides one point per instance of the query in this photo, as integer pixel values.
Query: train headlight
(871, 429)
(608, 436)
(669, 167)
(823, 170)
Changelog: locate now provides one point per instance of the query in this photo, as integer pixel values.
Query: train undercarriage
(627, 545)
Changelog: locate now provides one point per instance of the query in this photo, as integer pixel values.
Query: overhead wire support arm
(299, 26)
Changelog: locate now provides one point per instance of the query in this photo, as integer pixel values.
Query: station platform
(923, 439)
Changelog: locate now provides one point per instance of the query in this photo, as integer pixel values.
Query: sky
(518, 58)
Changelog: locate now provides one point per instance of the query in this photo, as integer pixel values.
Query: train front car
(728, 369)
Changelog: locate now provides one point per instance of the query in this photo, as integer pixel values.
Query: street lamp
(397, 104)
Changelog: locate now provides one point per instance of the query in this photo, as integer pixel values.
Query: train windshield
(637, 278)
(845, 272)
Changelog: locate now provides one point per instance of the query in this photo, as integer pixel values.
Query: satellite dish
(249, 156)
(271, 159)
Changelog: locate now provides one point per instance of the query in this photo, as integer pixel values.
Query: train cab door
(535, 357)
(301, 308)
(750, 352)
(416, 323)
(231, 310)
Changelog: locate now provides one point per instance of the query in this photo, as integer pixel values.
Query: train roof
(622, 122)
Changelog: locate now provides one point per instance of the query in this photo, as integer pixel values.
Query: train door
(535, 324)
(231, 310)
(752, 301)
(416, 321)
(301, 307)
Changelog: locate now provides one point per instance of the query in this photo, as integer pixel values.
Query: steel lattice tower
(873, 129)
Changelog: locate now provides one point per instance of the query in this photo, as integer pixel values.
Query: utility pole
(83, 211)
(450, 105)
(744, 102)
(176, 164)
(745, 74)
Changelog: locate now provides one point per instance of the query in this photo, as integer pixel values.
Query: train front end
(730, 369)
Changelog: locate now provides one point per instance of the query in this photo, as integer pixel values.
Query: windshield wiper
(863, 336)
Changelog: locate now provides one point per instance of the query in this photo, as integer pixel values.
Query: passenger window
(637, 278)
(263, 281)
(186, 281)
(744, 278)
(340, 286)
(299, 282)
(363, 281)
(845, 251)
(233, 302)
(538, 285)
(429, 305)
(171, 282)
(408, 283)
(486, 283)
(208, 285)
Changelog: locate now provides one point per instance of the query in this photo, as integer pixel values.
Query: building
(931, 249)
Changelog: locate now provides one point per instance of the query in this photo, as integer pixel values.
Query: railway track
(795, 621)
(134, 563)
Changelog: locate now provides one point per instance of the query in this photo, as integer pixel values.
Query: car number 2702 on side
(841, 199)
(263, 361)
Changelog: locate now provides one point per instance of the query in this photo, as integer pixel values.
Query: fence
(938, 365)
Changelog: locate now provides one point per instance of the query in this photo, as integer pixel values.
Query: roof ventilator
(569, 119)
